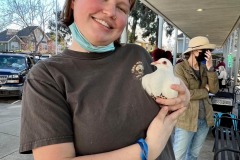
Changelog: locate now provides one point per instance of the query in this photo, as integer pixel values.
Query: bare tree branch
(24, 13)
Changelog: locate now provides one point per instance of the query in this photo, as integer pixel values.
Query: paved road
(8, 100)
(9, 131)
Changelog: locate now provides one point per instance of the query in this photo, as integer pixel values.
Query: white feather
(158, 83)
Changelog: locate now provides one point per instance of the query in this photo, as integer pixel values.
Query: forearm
(66, 151)
(196, 94)
(213, 82)
(127, 153)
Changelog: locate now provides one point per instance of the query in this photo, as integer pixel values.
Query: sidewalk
(9, 132)
(206, 152)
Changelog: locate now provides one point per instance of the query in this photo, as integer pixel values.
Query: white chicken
(158, 83)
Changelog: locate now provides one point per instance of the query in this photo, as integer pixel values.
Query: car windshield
(12, 62)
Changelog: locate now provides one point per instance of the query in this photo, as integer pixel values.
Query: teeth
(103, 23)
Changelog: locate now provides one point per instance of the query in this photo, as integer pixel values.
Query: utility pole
(160, 31)
(56, 21)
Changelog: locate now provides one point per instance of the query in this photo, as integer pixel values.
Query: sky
(60, 2)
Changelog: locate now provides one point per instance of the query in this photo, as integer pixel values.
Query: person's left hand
(207, 87)
(208, 58)
(180, 101)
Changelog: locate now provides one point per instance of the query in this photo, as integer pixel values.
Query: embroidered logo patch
(138, 70)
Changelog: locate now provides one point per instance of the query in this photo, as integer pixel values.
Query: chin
(100, 42)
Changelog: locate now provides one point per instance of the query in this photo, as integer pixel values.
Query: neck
(76, 47)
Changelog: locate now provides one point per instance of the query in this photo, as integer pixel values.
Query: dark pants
(220, 84)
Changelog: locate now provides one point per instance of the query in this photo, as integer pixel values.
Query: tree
(147, 20)
(26, 13)
(134, 20)
(63, 31)
(169, 29)
(149, 24)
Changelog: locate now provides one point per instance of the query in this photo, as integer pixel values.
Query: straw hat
(199, 43)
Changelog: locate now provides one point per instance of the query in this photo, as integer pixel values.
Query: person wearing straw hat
(193, 126)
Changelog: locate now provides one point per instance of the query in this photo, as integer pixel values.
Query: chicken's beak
(155, 63)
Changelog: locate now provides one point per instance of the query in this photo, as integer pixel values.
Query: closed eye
(122, 9)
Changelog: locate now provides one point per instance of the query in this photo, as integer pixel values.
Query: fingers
(166, 118)
(208, 59)
(174, 115)
(174, 103)
(169, 102)
(209, 55)
(178, 102)
(162, 113)
(180, 88)
(170, 120)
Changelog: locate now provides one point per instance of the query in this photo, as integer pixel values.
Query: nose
(110, 10)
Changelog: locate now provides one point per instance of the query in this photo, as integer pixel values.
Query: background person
(158, 53)
(222, 77)
(193, 126)
(220, 63)
(88, 102)
(180, 59)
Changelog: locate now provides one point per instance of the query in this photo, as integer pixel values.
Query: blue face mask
(85, 44)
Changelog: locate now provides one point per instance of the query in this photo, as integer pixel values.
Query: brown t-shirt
(94, 100)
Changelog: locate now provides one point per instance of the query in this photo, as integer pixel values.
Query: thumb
(162, 114)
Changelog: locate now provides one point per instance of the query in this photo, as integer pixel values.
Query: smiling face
(100, 21)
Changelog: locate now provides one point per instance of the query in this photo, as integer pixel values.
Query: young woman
(192, 127)
(88, 102)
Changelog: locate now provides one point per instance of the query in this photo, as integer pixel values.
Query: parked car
(13, 71)
(45, 56)
(36, 59)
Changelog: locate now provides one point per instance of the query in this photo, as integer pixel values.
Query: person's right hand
(160, 130)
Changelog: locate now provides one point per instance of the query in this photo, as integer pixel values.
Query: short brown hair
(67, 12)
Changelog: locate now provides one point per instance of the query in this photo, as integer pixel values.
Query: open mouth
(105, 24)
